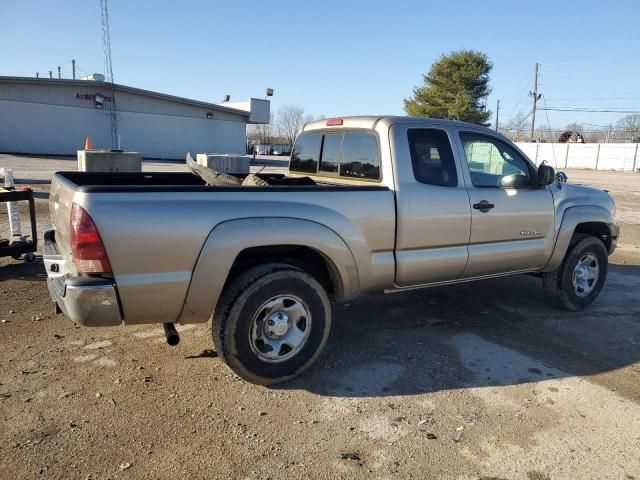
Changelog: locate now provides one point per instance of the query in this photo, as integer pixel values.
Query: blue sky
(339, 58)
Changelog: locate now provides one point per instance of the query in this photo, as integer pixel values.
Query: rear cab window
(348, 155)
(330, 156)
(306, 153)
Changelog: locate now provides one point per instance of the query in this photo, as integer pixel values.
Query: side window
(304, 157)
(493, 163)
(432, 157)
(360, 156)
(330, 157)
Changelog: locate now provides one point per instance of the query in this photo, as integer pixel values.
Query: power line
(553, 150)
(599, 73)
(594, 98)
(586, 62)
(590, 110)
(521, 96)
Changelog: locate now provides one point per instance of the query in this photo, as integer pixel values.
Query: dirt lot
(479, 381)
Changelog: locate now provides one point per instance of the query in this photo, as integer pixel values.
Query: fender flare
(572, 217)
(228, 239)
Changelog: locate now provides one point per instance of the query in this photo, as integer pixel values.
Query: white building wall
(52, 129)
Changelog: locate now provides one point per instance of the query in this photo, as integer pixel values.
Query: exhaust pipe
(171, 334)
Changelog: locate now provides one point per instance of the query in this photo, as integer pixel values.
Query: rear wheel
(271, 323)
(580, 277)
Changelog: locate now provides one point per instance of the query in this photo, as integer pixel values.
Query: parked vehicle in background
(372, 204)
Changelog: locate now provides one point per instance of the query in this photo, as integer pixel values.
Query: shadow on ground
(493, 332)
(20, 270)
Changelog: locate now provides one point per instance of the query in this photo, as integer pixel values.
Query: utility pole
(497, 115)
(50, 74)
(536, 96)
(59, 72)
(73, 69)
(37, 74)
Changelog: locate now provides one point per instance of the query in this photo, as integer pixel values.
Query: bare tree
(630, 125)
(260, 133)
(574, 127)
(515, 127)
(291, 119)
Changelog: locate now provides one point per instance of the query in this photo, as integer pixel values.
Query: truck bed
(156, 226)
(108, 182)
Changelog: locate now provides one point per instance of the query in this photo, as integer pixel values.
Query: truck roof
(370, 122)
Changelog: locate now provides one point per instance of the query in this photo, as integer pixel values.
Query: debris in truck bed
(252, 180)
(210, 176)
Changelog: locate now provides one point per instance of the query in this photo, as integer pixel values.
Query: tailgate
(61, 197)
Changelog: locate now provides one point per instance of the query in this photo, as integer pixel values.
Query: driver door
(512, 218)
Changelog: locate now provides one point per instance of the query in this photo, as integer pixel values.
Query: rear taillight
(89, 253)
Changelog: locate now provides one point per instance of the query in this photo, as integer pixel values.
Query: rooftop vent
(96, 77)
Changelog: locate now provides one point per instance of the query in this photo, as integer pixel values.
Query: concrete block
(108, 161)
(224, 163)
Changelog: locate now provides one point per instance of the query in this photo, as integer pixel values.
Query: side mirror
(546, 175)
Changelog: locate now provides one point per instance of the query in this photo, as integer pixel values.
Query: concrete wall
(52, 129)
(595, 156)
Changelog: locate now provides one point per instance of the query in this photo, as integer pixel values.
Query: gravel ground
(477, 381)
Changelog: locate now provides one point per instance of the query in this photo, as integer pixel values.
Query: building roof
(123, 88)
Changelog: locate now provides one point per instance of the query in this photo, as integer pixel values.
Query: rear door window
(432, 157)
(306, 153)
(360, 156)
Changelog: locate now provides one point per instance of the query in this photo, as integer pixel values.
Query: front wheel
(580, 277)
(271, 323)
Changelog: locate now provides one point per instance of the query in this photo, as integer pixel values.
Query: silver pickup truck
(371, 204)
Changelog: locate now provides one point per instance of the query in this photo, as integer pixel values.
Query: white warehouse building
(45, 116)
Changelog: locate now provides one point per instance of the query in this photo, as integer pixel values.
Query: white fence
(595, 156)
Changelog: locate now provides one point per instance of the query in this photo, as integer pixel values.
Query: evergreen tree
(455, 88)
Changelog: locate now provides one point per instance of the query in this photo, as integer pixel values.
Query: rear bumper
(88, 301)
(92, 302)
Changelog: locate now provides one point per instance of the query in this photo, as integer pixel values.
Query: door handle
(483, 206)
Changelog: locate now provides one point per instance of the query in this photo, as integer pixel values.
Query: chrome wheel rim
(585, 275)
(280, 328)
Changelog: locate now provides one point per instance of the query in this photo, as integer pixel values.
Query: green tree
(454, 88)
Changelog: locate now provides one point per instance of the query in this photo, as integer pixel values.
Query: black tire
(558, 285)
(244, 299)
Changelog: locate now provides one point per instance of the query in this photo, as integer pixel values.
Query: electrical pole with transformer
(536, 96)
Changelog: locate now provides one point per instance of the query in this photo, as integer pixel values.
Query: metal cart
(21, 245)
